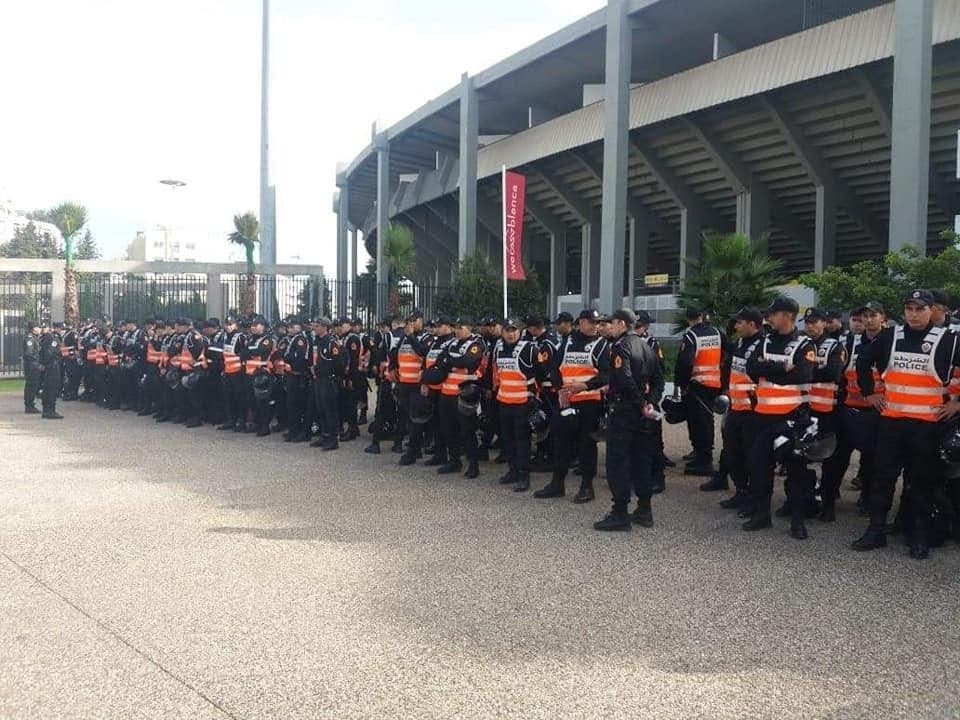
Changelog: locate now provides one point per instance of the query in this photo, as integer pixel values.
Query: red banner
(514, 199)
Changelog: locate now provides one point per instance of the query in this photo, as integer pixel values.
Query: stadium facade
(828, 126)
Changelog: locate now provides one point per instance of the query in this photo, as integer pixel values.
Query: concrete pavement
(153, 571)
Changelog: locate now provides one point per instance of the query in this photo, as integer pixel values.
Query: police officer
(50, 360)
(824, 391)
(32, 368)
(89, 352)
(740, 425)
(642, 328)
(382, 345)
(563, 325)
(328, 372)
(352, 379)
(72, 364)
(407, 362)
(297, 359)
(233, 344)
(211, 381)
(515, 378)
(193, 366)
(362, 387)
(281, 340)
(636, 386)
(915, 361)
(698, 374)
(547, 344)
(782, 368)
(436, 341)
(490, 331)
(170, 348)
(460, 361)
(580, 370)
(256, 360)
(152, 364)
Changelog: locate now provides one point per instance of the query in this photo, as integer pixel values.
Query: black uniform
(458, 431)
(50, 374)
(234, 387)
(519, 358)
(349, 398)
(259, 348)
(636, 380)
(297, 361)
(72, 364)
(698, 394)
(329, 374)
(32, 371)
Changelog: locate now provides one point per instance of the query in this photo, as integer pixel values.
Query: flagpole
(503, 217)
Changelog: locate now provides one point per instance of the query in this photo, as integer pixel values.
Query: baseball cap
(875, 307)
(643, 317)
(462, 321)
(750, 315)
(833, 314)
(919, 297)
(784, 304)
(815, 314)
(622, 314)
(533, 321)
(591, 315)
(940, 298)
(513, 322)
(443, 320)
(692, 313)
(564, 317)
(415, 315)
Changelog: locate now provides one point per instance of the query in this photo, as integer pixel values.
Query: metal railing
(23, 297)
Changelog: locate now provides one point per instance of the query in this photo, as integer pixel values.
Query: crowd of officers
(451, 391)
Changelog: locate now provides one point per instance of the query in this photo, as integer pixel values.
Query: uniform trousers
(738, 431)
(631, 445)
(515, 432)
(235, 400)
(856, 430)
(762, 462)
(51, 380)
(33, 376)
(297, 388)
(574, 429)
(700, 420)
(327, 393)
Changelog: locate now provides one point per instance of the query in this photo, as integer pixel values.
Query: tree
(400, 256)
(69, 219)
(732, 273)
(29, 242)
(87, 248)
(477, 290)
(247, 233)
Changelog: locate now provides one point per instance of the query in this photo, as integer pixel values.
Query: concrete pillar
(343, 218)
(639, 244)
(690, 240)
(469, 133)
(616, 112)
(910, 155)
(590, 262)
(558, 271)
(753, 213)
(57, 296)
(214, 296)
(382, 146)
(825, 232)
(354, 271)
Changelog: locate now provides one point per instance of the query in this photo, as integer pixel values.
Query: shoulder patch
(543, 357)
(474, 350)
(811, 356)
(336, 350)
(617, 362)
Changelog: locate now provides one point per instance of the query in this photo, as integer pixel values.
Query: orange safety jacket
(823, 395)
(154, 357)
(433, 353)
(774, 399)
(578, 366)
(741, 389)
(706, 360)
(854, 397)
(514, 387)
(913, 387)
(231, 361)
(451, 383)
(409, 364)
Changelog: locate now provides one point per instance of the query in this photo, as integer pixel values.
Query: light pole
(268, 246)
(174, 185)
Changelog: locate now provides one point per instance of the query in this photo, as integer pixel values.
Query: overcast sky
(104, 98)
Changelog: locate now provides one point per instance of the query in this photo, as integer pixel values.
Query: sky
(102, 99)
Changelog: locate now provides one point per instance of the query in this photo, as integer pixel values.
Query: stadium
(827, 126)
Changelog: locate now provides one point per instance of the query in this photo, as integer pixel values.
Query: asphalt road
(151, 571)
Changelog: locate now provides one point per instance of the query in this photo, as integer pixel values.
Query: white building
(11, 219)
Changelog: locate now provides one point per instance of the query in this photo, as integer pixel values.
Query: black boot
(473, 470)
(553, 489)
(373, 448)
(51, 415)
(735, 502)
(585, 494)
(701, 466)
(717, 482)
(523, 482)
(758, 521)
(437, 460)
(798, 531)
(874, 537)
(507, 478)
(642, 516)
(454, 466)
(362, 420)
(409, 457)
(828, 513)
(31, 410)
(397, 447)
(613, 522)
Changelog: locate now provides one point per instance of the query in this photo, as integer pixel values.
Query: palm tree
(247, 233)
(732, 273)
(69, 219)
(400, 257)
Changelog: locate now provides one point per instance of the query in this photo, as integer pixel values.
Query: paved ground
(150, 571)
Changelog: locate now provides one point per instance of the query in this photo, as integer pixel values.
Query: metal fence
(122, 296)
(23, 297)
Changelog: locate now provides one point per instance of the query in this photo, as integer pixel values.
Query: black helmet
(539, 423)
(173, 377)
(468, 399)
(128, 362)
(674, 411)
(433, 375)
(950, 454)
(262, 385)
(721, 403)
(421, 409)
(815, 444)
(190, 380)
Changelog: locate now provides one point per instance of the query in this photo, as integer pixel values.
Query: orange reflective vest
(432, 356)
(774, 399)
(514, 387)
(409, 364)
(823, 395)
(954, 388)
(186, 361)
(913, 388)
(231, 361)
(742, 387)
(154, 357)
(451, 383)
(854, 397)
(706, 359)
(578, 366)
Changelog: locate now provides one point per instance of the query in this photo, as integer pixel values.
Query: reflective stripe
(409, 365)
(231, 363)
(914, 389)
(254, 364)
(706, 360)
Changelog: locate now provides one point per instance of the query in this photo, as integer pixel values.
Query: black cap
(875, 307)
(833, 314)
(415, 315)
(323, 320)
(622, 314)
(58, 326)
(643, 317)
(815, 314)
(692, 313)
(230, 320)
(591, 315)
(564, 317)
(294, 320)
(919, 297)
(32, 325)
(258, 320)
(489, 320)
(356, 321)
(183, 321)
(534, 321)
(513, 322)
(443, 320)
(784, 304)
(462, 321)
(940, 298)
